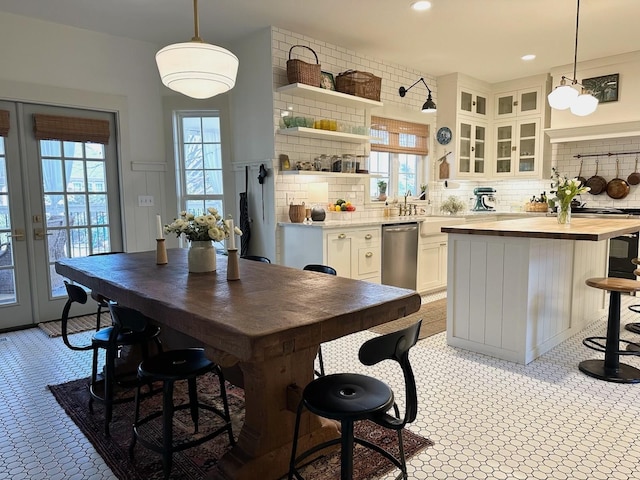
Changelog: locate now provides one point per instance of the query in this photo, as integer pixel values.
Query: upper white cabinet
(498, 130)
(472, 103)
(517, 103)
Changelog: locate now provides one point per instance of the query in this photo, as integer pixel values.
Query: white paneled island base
(517, 288)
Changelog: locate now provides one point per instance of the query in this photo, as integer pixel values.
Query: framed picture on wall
(604, 88)
(327, 82)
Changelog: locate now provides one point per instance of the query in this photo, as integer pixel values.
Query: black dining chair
(315, 267)
(351, 397)
(256, 258)
(111, 340)
(101, 300)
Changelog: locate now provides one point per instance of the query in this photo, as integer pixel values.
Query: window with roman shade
(70, 129)
(396, 136)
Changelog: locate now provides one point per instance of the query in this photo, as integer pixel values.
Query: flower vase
(564, 214)
(201, 257)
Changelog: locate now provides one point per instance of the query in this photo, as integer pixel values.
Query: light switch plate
(145, 201)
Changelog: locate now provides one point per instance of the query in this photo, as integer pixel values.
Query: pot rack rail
(608, 154)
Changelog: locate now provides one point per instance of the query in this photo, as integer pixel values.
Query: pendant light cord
(196, 23)
(575, 51)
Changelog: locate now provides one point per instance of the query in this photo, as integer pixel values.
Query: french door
(58, 199)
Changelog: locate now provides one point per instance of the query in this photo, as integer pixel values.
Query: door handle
(18, 235)
(39, 233)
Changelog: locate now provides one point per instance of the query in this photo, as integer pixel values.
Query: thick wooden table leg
(264, 445)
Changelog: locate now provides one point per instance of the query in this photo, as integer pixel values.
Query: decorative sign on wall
(604, 88)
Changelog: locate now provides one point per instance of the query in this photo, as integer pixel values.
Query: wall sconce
(429, 106)
(565, 96)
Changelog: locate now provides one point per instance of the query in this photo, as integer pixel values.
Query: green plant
(452, 205)
(565, 190)
(382, 186)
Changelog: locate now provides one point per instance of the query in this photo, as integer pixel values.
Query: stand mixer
(485, 201)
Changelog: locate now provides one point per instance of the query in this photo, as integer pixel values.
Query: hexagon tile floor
(489, 419)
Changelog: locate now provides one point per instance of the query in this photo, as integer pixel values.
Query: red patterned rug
(194, 463)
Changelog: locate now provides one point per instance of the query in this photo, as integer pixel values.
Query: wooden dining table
(269, 323)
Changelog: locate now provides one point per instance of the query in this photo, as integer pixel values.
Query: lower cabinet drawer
(369, 260)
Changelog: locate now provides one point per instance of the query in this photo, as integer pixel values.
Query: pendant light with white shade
(197, 69)
(565, 96)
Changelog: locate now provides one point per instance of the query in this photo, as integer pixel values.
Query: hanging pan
(581, 179)
(597, 184)
(634, 178)
(618, 187)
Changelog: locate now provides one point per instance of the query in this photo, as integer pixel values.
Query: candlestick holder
(233, 267)
(161, 252)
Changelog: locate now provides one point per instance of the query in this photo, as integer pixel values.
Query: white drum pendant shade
(197, 69)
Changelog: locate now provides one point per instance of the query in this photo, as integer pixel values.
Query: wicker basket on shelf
(536, 207)
(303, 72)
(360, 84)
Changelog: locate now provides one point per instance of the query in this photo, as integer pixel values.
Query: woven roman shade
(70, 129)
(390, 135)
(4, 123)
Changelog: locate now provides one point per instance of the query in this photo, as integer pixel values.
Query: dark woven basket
(303, 72)
(360, 84)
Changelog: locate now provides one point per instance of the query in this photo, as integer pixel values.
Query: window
(398, 156)
(199, 161)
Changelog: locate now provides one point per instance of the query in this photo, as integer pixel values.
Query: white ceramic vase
(202, 257)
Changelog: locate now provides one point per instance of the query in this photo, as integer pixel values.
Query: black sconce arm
(403, 91)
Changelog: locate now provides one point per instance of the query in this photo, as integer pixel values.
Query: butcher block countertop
(592, 229)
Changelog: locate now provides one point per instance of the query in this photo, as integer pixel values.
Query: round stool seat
(125, 337)
(613, 284)
(175, 365)
(347, 395)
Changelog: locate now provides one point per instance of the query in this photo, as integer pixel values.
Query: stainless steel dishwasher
(400, 254)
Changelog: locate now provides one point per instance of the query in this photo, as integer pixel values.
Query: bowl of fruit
(341, 205)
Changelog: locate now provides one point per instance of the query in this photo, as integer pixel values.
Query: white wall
(54, 64)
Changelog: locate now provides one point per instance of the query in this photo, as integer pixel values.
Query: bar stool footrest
(594, 344)
(633, 327)
(596, 369)
(634, 308)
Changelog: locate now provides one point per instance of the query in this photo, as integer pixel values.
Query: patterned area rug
(433, 315)
(75, 325)
(195, 463)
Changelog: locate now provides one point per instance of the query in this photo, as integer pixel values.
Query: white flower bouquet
(198, 228)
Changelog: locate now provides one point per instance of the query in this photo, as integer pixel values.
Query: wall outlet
(145, 200)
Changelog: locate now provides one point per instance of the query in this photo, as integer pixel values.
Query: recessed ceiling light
(528, 57)
(421, 6)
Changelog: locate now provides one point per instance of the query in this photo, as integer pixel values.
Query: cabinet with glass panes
(517, 148)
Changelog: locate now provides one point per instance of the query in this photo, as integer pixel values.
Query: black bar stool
(610, 369)
(635, 326)
(349, 397)
(169, 367)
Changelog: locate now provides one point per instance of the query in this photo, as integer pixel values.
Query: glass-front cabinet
(517, 103)
(473, 103)
(516, 148)
(471, 149)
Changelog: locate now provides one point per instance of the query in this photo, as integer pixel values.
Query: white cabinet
(471, 159)
(517, 148)
(518, 103)
(354, 252)
(432, 263)
(472, 103)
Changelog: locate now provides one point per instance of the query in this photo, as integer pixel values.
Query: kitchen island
(517, 287)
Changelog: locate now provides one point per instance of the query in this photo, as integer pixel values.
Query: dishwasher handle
(399, 229)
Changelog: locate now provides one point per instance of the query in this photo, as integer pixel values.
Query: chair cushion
(175, 365)
(127, 337)
(347, 395)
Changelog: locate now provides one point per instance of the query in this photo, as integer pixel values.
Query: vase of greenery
(382, 190)
(565, 190)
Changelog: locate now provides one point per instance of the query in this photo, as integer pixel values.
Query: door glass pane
(7, 268)
(528, 101)
(70, 170)
(505, 105)
(527, 130)
(481, 105)
(465, 130)
(465, 101)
